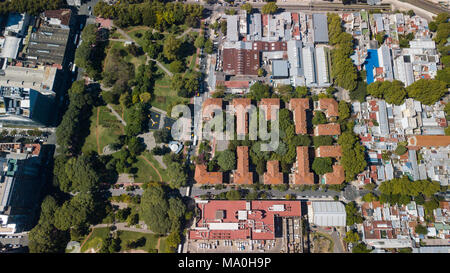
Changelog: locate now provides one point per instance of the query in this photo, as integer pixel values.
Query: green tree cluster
(343, 71)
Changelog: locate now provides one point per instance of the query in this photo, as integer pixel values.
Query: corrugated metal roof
(328, 213)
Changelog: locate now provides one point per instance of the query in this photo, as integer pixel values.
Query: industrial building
(327, 213)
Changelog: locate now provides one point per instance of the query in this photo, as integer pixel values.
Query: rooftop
(329, 129)
(202, 176)
(242, 175)
(273, 175)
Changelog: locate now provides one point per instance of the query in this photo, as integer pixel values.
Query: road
(428, 6)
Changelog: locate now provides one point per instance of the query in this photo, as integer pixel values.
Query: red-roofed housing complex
(202, 176)
(242, 175)
(240, 220)
(299, 106)
(303, 175)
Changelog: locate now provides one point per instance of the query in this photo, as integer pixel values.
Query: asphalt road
(428, 6)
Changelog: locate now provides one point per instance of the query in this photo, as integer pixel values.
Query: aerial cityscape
(224, 126)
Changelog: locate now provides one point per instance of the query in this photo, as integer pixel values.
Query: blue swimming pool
(370, 63)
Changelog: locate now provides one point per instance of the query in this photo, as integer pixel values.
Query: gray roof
(280, 68)
(294, 51)
(320, 28)
(328, 213)
(232, 28)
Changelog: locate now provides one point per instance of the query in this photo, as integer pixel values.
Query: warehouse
(327, 213)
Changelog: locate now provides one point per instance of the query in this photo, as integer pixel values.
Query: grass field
(151, 240)
(164, 96)
(108, 130)
(132, 31)
(97, 237)
(136, 61)
(146, 173)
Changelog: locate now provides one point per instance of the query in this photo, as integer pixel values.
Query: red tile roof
(241, 61)
(329, 151)
(329, 129)
(210, 105)
(240, 105)
(336, 177)
(236, 84)
(303, 174)
(269, 103)
(202, 176)
(242, 175)
(299, 106)
(62, 14)
(273, 175)
(330, 106)
(429, 141)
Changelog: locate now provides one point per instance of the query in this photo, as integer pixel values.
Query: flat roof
(280, 68)
(320, 28)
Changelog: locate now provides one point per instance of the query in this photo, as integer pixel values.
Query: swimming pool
(370, 63)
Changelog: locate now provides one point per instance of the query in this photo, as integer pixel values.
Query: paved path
(116, 115)
(121, 31)
(96, 132)
(184, 33)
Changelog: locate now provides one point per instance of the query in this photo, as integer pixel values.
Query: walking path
(116, 114)
(156, 170)
(96, 132)
(148, 58)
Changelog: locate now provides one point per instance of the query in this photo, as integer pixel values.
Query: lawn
(96, 239)
(109, 129)
(132, 31)
(100, 234)
(150, 242)
(145, 172)
(136, 61)
(164, 96)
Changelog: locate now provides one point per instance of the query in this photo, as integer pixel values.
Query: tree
(259, 91)
(301, 92)
(380, 36)
(153, 209)
(209, 46)
(322, 165)
(227, 160)
(353, 216)
(344, 110)
(176, 66)
(353, 157)
(419, 229)
(351, 237)
(177, 176)
(319, 118)
(171, 48)
(269, 8)
(247, 7)
(233, 195)
(361, 248)
(200, 41)
(400, 150)
(173, 240)
(162, 136)
(427, 91)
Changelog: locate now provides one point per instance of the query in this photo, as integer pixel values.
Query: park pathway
(128, 37)
(119, 117)
(156, 170)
